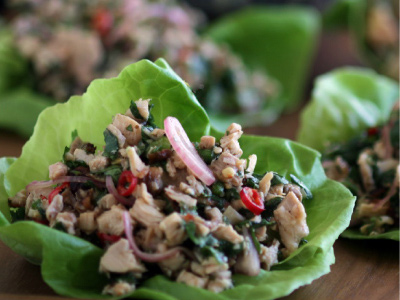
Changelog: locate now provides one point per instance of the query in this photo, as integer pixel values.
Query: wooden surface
(363, 270)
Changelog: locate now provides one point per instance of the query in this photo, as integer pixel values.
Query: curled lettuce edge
(279, 32)
(76, 274)
(344, 103)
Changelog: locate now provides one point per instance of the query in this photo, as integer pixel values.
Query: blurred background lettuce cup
(242, 66)
(353, 119)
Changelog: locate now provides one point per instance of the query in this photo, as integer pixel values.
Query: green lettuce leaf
(70, 265)
(279, 40)
(344, 103)
(355, 234)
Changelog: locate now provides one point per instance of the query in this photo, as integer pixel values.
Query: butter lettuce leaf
(278, 40)
(344, 103)
(70, 265)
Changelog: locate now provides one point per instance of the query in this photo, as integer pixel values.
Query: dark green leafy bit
(278, 179)
(114, 171)
(219, 202)
(297, 181)
(59, 226)
(129, 128)
(255, 225)
(37, 204)
(232, 194)
(270, 206)
(135, 111)
(111, 148)
(230, 249)
(208, 155)
(74, 134)
(128, 278)
(252, 182)
(17, 214)
(246, 213)
(158, 145)
(206, 243)
(218, 189)
(303, 241)
(255, 240)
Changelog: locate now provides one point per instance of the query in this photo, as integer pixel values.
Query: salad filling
(114, 34)
(369, 166)
(159, 204)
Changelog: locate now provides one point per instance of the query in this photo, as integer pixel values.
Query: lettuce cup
(77, 266)
(353, 119)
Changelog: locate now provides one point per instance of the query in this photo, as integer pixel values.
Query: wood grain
(363, 270)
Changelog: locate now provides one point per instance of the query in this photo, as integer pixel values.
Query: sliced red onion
(248, 262)
(35, 185)
(148, 257)
(186, 151)
(112, 190)
(392, 191)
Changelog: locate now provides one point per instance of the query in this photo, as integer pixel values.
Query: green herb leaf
(300, 183)
(111, 148)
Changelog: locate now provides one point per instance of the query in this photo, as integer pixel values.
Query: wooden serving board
(363, 270)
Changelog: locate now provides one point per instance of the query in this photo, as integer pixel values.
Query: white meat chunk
(214, 214)
(226, 169)
(57, 170)
(207, 142)
(143, 108)
(119, 288)
(111, 222)
(265, 183)
(269, 255)
(252, 163)
(138, 167)
(194, 188)
(19, 199)
(179, 197)
(141, 192)
(119, 258)
(229, 142)
(87, 222)
(129, 128)
(173, 264)
(211, 265)
(118, 134)
(80, 154)
(290, 216)
(107, 201)
(221, 281)
(68, 221)
(172, 226)
(226, 232)
(55, 207)
(189, 278)
(98, 163)
(145, 213)
(364, 163)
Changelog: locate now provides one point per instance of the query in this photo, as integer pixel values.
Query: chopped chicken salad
(159, 204)
(369, 166)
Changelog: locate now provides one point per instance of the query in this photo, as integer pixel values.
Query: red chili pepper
(108, 237)
(42, 197)
(251, 199)
(102, 21)
(188, 217)
(126, 183)
(57, 190)
(372, 131)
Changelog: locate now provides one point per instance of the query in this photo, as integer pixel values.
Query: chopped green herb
(114, 171)
(59, 226)
(158, 145)
(232, 194)
(218, 189)
(129, 128)
(74, 134)
(270, 206)
(17, 214)
(135, 111)
(251, 182)
(302, 185)
(37, 205)
(278, 179)
(111, 148)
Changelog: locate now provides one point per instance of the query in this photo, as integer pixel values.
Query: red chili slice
(252, 200)
(373, 131)
(126, 183)
(108, 237)
(57, 190)
(102, 22)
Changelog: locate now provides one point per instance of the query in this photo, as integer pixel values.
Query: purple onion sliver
(113, 191)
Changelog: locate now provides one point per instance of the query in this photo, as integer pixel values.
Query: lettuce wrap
(345, 103)
(76, 274)
(259, 82)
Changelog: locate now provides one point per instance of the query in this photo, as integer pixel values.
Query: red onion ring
(186, 151)
(248, 263)
(34, 185)
(147, 257)
(113, 191)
